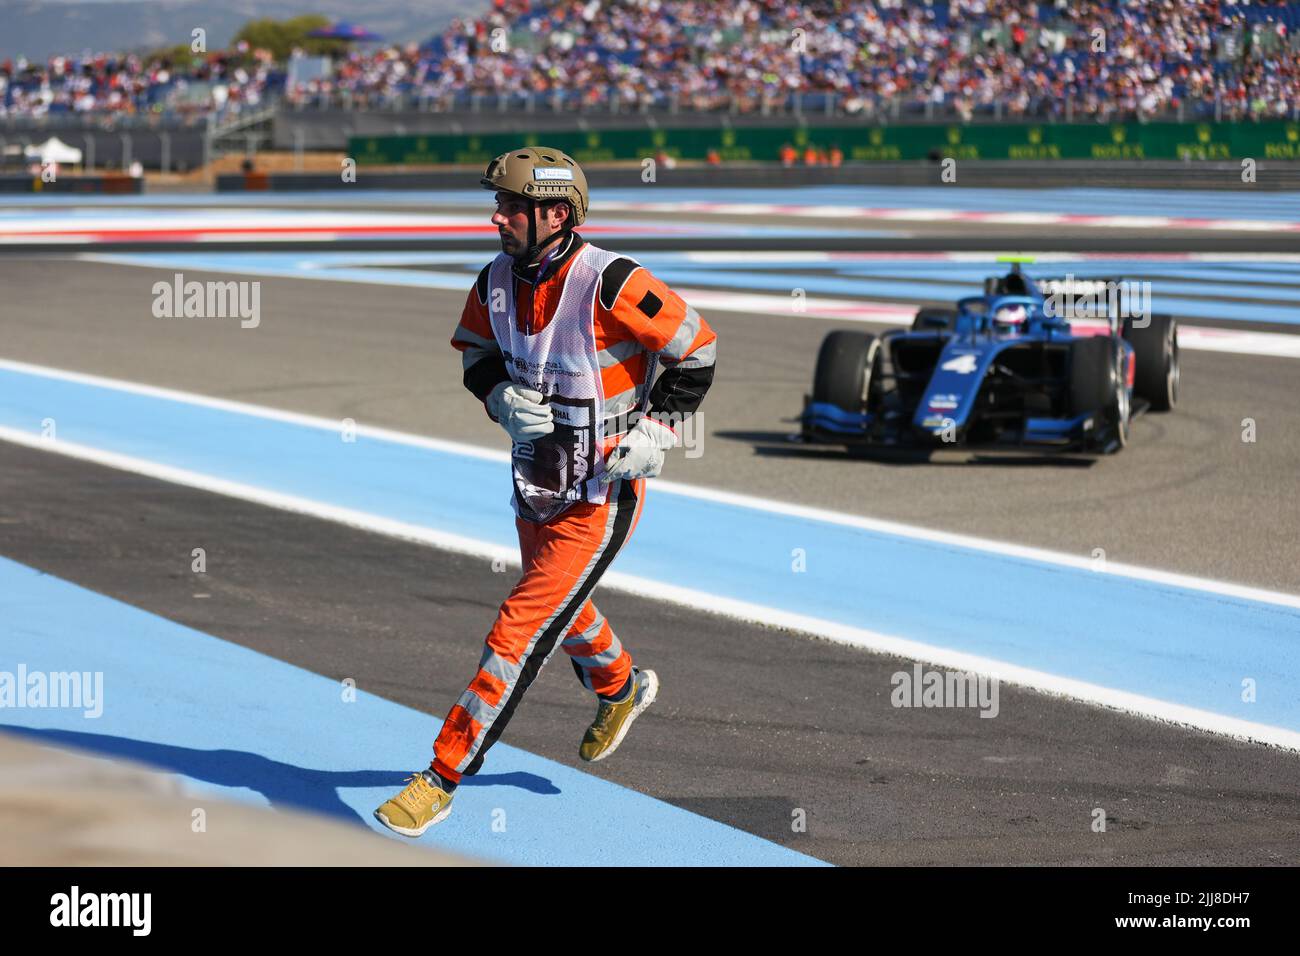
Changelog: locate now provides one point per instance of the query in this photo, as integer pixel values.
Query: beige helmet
(542, 174)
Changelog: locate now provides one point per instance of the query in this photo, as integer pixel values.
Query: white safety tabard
(554, 471)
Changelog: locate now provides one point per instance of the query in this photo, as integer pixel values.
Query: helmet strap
(534, 247)
(532, 229)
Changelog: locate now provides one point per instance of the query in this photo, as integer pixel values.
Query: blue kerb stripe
(236, 723)
(1174, 644)
(1204, 203)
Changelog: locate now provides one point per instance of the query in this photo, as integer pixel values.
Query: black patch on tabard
(650, 304)
(613, 278)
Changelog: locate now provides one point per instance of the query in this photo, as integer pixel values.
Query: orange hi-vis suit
(588, 334)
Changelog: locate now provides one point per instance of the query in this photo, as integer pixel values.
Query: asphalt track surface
(753, 722)
(1188, 495)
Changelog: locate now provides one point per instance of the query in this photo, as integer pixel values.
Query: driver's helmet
(1010, 318)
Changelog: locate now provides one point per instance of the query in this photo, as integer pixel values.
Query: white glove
(640, 453)
(520, 411)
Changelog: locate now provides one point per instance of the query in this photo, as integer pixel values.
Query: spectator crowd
(952, 58)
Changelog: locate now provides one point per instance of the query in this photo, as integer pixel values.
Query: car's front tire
(1098, 386)
(847, 371)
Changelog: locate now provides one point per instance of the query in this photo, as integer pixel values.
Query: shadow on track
(788, 445)
(283, 784)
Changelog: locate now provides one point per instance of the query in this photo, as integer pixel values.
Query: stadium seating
(964, 58)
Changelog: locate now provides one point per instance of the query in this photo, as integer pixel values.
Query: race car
(1057, 364)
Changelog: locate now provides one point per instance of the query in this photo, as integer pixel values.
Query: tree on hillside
(281, 36)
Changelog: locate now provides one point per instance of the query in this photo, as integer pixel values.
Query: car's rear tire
(1098, 385)
(934, 320)
(1157, 373)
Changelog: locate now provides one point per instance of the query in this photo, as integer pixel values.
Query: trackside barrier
(112, 183)
(1002, 174)
(1267, 140)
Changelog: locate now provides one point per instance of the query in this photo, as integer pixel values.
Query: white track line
(1135, 704)
(940, 214)
(724, 256)
(253, 220)
(717, 496)
(1241, 343)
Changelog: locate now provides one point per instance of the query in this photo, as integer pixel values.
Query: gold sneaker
(613, 720)
(415, 809)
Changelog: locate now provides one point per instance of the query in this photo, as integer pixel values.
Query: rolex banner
(1045, 141)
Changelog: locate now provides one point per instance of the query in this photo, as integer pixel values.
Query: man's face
(511, 220)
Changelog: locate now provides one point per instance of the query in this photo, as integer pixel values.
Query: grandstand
(966, 59)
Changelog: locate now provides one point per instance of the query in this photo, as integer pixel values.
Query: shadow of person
(283, 784)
